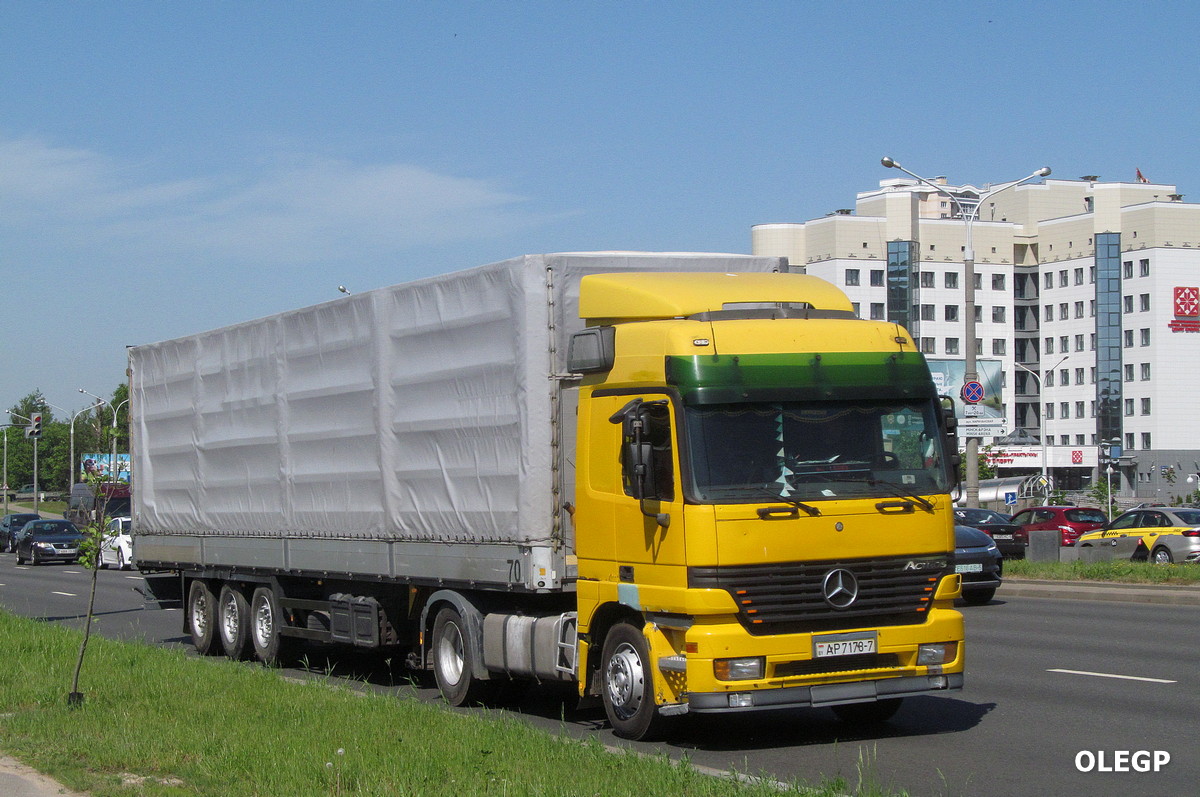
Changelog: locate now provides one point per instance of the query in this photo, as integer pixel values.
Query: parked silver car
(1168, 533)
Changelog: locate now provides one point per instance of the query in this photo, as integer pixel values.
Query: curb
(1165, 595)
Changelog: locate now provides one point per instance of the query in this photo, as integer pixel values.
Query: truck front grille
(789, 597)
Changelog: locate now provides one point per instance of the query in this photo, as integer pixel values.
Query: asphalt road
(1050, 683)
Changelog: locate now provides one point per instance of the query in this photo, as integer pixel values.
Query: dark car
(1069, 521)
(10, 525)
(49, 541)
(978, 561)
(1010, 538)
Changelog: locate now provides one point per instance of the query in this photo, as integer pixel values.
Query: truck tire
(271, 647)
(233, 622)
(202, 618)
(454, 661)
(627, 685)
(868, 713)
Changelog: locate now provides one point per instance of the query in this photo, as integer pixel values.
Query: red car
(1071, 521)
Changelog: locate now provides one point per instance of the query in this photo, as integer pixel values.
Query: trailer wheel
(454, 662)
(868, 713)
(627, 685)
(202, 618)
(233, 622)
(271, 647)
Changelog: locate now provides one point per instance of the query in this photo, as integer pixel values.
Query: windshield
(811, 451)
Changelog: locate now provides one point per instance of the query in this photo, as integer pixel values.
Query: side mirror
(638, 459)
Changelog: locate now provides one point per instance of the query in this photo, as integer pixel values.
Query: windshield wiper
(809, 508)
(901, 492)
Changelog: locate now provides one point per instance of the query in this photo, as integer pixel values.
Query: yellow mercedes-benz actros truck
(690, 483)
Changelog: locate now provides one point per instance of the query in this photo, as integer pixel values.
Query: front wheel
(1162, 556)
(868, 713)
(627, 685)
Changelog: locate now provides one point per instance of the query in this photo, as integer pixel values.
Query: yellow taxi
(1168, 533)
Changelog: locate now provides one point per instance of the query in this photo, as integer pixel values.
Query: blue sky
(170, 167)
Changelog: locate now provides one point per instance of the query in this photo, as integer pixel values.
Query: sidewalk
(1163, 594)
(18, 780)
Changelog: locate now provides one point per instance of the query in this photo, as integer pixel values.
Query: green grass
(1116, 571)
(159, 722)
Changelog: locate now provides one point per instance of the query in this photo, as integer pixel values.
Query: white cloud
(305, 211)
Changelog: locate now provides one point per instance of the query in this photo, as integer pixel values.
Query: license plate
(843, 645)
(1002, 536)
(971, 568)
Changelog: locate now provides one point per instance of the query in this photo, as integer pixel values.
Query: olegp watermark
(1121, 760)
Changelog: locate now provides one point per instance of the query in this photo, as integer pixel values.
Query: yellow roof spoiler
(658, 295)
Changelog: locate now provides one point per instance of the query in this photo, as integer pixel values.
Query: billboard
(985, 418)
(102, 464)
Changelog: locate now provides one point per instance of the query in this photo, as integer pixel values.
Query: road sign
(983, 427)
(1010, 499)
(972, 392)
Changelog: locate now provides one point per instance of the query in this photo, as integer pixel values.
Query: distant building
(1093, 286)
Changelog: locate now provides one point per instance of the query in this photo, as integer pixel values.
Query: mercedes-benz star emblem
(840, 588)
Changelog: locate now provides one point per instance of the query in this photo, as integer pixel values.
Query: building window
(876, 278)
(1047, 280)
(927, 346)
(852, 276)
(1144, 268)
(1079, 309)
(1048, 312)
(1145, 372)
(1091, 308)
(1064, 409)
(1064, 344)
(1079, 376)
(1078, 409)
(1049, 411)
(854, 306)
(1092, 341)
(951, 311)
(1079, 440)
(1128, 372)
(978, 313)
(1079, 343)
(1127, 269)
(998, 282)
(952, 280)
(1145, 337)
(1091, 275)
(998, 347)
(927, 279)
(1144, 303)
(1092, 380)
(998, 315)
(1062, 311)
(877, 311)
(1064, 377)
(1127, 338)
(1062, 278)
(1128, 441)
(1146, 441)
(1049, 345)
(951, 345)
(1128, 407)
(1079, 276)
(1127, 304)
(1145, 406)
(978, 346)
(927, 312)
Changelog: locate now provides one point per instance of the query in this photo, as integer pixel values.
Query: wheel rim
(1162, 557)
(626, 681)
(451, 654)
(229, 618)
(264, 623)
(200, 616)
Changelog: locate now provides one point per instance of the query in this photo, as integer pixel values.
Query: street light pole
(1045, 421)
(36, 501)
(968, 211)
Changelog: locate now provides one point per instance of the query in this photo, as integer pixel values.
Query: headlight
(748, 669)
(44, 545)
(937, 654)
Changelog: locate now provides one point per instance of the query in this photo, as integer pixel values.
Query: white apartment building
(1093, 287)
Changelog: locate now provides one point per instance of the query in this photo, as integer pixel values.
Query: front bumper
(824, 694)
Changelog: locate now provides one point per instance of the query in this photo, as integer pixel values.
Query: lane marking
(1111, 675)
(65, 594)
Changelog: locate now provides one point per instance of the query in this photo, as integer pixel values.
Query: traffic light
(34, 429)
